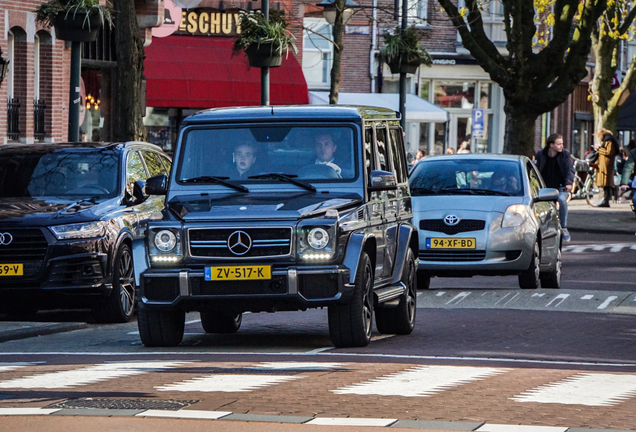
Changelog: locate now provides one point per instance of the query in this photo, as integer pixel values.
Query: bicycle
(584, 186)
(593, 193)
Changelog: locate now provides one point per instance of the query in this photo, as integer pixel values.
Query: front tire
(553, 279)
(350, 324)
(401, 319)
(119, 306)
(160, 328)
(216, 322)
(529, 278)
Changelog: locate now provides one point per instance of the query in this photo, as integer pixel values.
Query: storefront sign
(205, 22)
(452, 61)
(478, 124)
(170, 23)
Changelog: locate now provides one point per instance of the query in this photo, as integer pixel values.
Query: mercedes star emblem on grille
(5, 239)
(239, 243)
(451, 220)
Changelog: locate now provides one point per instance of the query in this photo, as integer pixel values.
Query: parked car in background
(485, 215)
(68, 215)
(282, 209)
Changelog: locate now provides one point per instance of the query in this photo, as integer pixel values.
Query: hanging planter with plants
(75, 20)
(265, 42)
(403, 52)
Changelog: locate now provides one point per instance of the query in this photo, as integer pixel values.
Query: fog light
(317, 256)
(165, 259)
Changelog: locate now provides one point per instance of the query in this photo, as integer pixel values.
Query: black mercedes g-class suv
(282, 209)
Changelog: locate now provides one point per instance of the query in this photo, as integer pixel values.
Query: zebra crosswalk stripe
(87, 375)
(422, 381)
(584, 389)
(227, 383)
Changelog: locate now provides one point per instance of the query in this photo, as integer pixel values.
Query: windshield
(254, 154)
(69, 173)
(466, 176)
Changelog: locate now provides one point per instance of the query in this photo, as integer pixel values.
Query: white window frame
(311, 23)
(418, 12)
(36, 68)
(11, 57)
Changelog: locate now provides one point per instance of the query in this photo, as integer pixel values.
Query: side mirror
(547, 194)
(138, 194)
(382, 180)
(157, 185)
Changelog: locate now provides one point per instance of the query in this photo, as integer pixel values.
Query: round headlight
(165, 240)
(318, 238)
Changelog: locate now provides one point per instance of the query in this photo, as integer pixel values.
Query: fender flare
(140, 258)
(407, 239)
(356, 245)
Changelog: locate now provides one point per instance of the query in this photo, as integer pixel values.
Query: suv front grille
(264, 242)
(452, 256)
(25, 245)
(464, 225)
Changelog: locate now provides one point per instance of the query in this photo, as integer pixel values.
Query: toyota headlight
(79, 230)
(316, 243)
(515, 215)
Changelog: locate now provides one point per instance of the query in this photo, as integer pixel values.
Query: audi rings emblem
(239, 243)
(5, 239)
(451, 220)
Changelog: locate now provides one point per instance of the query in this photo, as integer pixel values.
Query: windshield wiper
(487, 192)
(219, 180)
(424, 191)
(284, 177)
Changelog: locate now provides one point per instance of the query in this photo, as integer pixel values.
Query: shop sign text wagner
(209, 22)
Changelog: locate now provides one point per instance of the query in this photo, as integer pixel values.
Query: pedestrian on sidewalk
(607, 150)
(557, 168)
(628, 168)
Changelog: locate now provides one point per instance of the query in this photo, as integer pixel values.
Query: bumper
(290, 288)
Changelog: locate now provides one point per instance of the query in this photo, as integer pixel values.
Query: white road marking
(27, 411)
(422, 381)
(613, 247)
(88, 375)
(5, 367)
(441, 293)
(190, 414)
(607, 302)
(587, 297)
(584, 389)
(538, 295)
(519, 428)
(459, 297)
(561, 297)
(351, 421)
(227, 383)
(298, 365)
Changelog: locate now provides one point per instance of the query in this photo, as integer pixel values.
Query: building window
(455, 94)
(317, 52)
(418, 11)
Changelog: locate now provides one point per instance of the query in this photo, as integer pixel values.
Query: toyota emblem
(451, 220)
(239, 243)
(5, 239)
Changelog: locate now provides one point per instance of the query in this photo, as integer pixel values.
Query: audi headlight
(165, 240)
(515, 215)
(79, 230)
(316, 243)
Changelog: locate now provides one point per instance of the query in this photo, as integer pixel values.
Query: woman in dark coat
(607, 151)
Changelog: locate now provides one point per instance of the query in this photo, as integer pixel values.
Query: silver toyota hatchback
(485, 214)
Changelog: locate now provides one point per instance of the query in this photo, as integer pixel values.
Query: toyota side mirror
(547, 194)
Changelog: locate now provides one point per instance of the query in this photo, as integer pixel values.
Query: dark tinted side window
(383, 156)
(397, 154)
(166, 163)
(535, 182)
(153, 163)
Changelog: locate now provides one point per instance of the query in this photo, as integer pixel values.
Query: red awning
(200, 72)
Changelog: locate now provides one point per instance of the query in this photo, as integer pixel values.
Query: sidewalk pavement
(617, 219)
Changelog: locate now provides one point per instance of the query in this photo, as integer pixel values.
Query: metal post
(405, 9)
(74, 94)
(265, 70)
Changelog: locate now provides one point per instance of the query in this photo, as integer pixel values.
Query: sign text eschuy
(209, 22)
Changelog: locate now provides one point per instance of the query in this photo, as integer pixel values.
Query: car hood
(52, 210)
(263, 206)
(471, 203)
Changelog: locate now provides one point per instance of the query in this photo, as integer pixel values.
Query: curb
(31, 329)
(327, 421)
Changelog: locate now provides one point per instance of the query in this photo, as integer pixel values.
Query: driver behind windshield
(243, 157)
(503, 181)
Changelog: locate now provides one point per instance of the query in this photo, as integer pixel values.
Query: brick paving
(486, 400)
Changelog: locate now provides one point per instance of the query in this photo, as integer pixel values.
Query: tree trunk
(520, 130)
(338, 27)
(127, 110)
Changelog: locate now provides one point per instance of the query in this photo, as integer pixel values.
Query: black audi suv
(68, 215)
